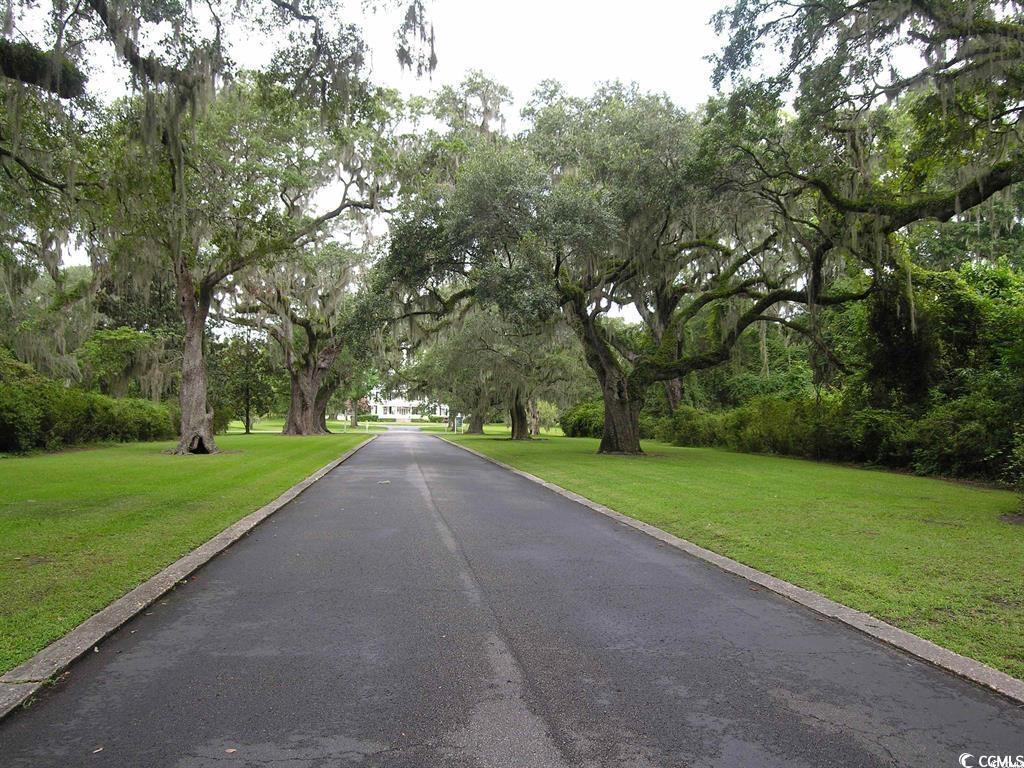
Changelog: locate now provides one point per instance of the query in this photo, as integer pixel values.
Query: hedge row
(973, 436)
(41, 414)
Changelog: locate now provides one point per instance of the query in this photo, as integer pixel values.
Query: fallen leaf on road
(383, 482)
(230, 751)
(98, 749)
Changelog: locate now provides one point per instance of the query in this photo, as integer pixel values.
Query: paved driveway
(421, 607)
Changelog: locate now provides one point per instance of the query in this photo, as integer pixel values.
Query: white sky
(659, 44)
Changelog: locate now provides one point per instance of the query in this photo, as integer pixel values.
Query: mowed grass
(274, 426)
(927, 555)
(80, 528)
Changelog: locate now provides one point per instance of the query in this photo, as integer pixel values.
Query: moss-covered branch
(44, 69)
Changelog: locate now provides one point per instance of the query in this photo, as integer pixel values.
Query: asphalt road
(421, 607)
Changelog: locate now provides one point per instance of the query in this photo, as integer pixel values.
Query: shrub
(1013, 474)
(12, 369)
(20, 418)
(880, 436)
(690, 427)
(970, 436)
(437, 419)
(221, 419)
(584, 420)
(368, 417)
(38, 413)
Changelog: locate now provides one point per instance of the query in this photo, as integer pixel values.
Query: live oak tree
(254, 159)
(178, 58)
(480, 361)
(816, 202)
(607, 202)
(118, 359)
(308, 306)
(357, 379)
(450, 371)
(45, 310)
(183, 48)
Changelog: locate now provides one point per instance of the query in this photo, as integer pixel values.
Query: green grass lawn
(927, 555)
(500, 430)
(274, 426)
(80, 528)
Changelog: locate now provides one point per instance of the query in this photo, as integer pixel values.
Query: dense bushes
(36, 412)
(584, 420)
(971, 436)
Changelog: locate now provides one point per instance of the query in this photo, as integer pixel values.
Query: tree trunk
(196, 417)
(534, 418)
(480, 411)
(450, 426)
(476, 423)
(621, 417)
(353, 418)
(673, 394)
(520, 421)
(323, 398)
(248, 409)
(621, 405)
(304, 415)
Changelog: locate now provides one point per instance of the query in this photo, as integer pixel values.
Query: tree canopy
(851, 191)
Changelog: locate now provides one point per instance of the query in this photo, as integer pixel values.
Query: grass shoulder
(934, 557)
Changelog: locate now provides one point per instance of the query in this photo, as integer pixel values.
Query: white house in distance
(394, 406)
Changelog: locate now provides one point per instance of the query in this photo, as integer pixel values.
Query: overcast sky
(659, 44)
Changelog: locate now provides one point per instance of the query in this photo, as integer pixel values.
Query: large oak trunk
(520, 420)
(196, 416)
(479, 414)
(534, 418)
(323, 398)
(621, 420)
(622, 402)
(305, 416)
(353, 416)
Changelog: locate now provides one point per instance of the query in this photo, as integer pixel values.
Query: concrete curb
(961, 666)
(24, 680)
